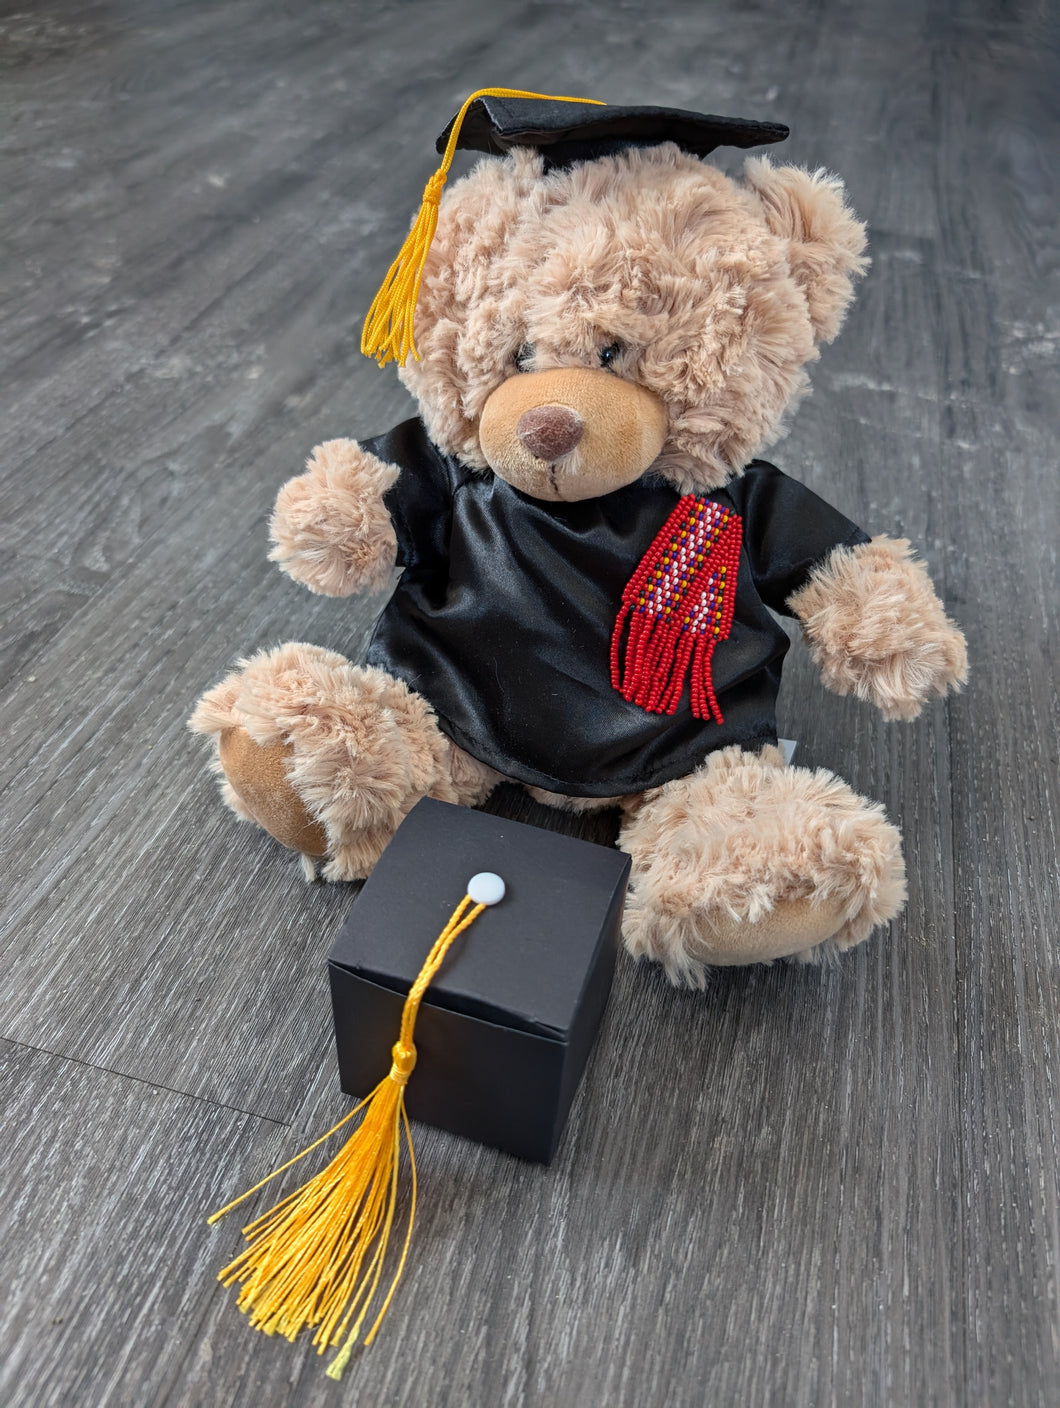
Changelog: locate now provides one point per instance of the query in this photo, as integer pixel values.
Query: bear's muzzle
(571, 433)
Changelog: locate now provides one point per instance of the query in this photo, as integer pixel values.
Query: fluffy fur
(717, 853)
(575, 804)
(716, 291)
(364, 747)
(330, 527)
(826, 243)
(876, 629)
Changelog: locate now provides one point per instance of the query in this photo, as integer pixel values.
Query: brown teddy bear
(608, 331)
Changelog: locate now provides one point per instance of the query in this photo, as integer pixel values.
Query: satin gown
(504, 613)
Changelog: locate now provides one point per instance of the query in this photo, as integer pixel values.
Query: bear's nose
(549, 432)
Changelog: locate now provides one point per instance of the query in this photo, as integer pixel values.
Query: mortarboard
(565, 132)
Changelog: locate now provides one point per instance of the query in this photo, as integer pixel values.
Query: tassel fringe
(315, 1260)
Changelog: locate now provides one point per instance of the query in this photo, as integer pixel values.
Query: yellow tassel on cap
(388, 331)
(316, 1258)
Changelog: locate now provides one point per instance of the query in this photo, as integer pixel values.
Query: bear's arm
(362, 509)
(868, 610)
(876, 628)
(331, 529)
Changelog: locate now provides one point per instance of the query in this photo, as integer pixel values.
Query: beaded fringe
(679, 604)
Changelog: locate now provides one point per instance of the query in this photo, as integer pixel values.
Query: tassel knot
(404, 1058)
(432, 192)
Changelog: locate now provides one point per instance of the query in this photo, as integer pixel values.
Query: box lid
(523, 963)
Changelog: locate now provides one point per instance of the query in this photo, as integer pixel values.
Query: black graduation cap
(565, 132)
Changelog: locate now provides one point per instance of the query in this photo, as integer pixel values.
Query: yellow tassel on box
(316, 1258)
(388, 331)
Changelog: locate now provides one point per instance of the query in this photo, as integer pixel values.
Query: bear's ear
(825, 241)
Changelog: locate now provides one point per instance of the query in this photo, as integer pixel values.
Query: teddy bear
(609, 331)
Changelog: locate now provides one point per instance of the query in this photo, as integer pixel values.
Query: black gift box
(506, 1026)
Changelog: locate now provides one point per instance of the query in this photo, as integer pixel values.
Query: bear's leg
(747, 860)
(328, 757)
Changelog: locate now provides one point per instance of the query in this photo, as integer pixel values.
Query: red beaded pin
(679, 604)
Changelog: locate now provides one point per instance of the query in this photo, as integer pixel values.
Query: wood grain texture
(804, 1186)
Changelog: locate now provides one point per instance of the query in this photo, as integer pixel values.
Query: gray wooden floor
(801, 1187)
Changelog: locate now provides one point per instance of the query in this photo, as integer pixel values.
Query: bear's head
(641, 311)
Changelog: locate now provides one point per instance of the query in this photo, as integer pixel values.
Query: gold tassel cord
(388, 333)
(316, 1258)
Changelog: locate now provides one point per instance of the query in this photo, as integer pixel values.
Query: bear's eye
(524, 357)
(610, 354)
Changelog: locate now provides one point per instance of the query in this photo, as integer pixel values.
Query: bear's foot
(257, 778)
(747, 860)
(329, 757)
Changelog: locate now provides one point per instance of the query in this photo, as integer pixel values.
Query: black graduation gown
(504, 613)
